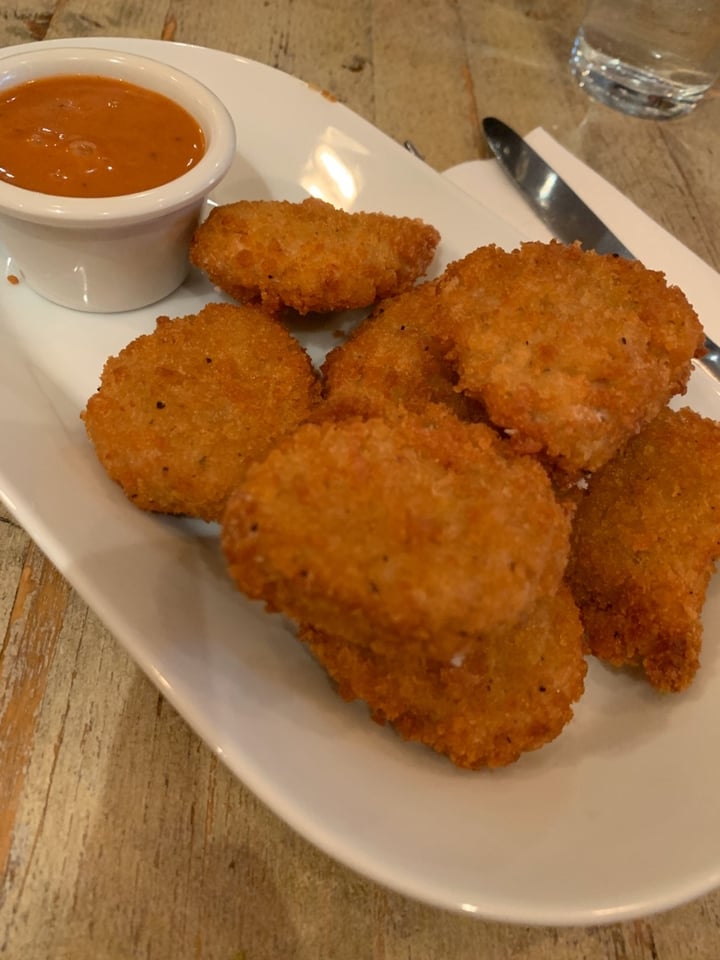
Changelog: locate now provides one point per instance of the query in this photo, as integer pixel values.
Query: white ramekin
(115, 253)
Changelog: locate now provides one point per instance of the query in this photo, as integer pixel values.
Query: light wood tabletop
(121, 834)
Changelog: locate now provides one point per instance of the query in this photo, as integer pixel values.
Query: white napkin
(649, 242)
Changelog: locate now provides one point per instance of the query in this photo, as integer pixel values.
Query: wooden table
(121, 836)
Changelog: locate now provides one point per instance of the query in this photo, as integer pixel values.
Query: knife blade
(561, 210)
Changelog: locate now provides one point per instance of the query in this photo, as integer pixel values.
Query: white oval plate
(615, 819)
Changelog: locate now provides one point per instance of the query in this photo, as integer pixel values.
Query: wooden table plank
(27, 655)
(423, 74)
(22, 25)
(108, 18)
(285, 35)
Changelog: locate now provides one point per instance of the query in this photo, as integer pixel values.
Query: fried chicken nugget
(393, 358)
(513, 691)
(414, 532)
(571, 352)
(181, 412)
(644, 542)
(310, 256)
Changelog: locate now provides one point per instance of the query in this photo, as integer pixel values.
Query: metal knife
(560, 208)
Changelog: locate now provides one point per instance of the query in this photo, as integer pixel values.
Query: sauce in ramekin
(93, 136)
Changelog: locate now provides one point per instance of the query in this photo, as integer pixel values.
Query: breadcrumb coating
(644, 542)
(512, 692)
(310, 256)
(180, 412)
(571, 352)
(393, 359)
(414, 532)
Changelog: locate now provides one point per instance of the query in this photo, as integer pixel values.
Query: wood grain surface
(121, 836)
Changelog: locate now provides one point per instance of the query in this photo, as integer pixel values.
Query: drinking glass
(648, 58)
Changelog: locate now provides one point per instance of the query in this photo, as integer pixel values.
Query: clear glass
(649, 58)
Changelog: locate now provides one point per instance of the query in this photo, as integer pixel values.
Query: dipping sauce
(93, 136)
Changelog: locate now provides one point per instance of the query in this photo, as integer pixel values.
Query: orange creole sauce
(92, 136)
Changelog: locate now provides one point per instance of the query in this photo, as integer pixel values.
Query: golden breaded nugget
(644, 541)
(412, 532)
(512, 692)
(310, 256)
(181, 412)
(570, 352)
(392, 358)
